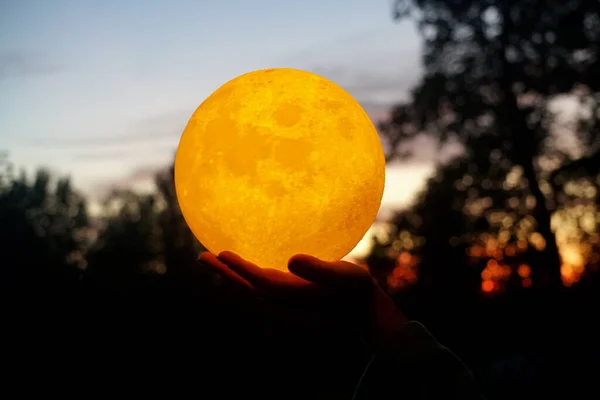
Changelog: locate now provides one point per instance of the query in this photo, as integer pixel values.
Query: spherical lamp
(278, 162)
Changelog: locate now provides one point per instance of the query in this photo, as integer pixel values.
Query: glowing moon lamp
(278, 162)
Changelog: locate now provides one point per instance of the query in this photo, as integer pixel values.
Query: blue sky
(102, 89)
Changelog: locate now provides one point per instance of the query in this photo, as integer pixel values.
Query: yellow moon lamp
(278, 162)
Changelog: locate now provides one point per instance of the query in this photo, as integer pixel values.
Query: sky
(102, 89)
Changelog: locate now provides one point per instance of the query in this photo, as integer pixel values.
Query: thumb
(340, 274)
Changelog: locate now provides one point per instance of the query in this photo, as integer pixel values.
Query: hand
(344, 290)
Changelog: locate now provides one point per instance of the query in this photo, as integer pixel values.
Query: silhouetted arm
(413, 365)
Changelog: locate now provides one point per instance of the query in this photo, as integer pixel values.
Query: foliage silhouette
(492, 69)
(128, 245)
(137, 295)
(43, 231)
(143, 236)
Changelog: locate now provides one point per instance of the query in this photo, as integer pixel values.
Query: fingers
(213, 262)
(245, 269)
(339, 274)
(270, 281)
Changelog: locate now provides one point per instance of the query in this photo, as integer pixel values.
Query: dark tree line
(492, 70)
(479, 257)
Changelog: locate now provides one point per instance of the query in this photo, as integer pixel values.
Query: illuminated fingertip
(227, 254)
(302, 257)
(303, 262)
(296, 259)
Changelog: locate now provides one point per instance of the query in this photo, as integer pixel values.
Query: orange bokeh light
(487, 286)
(524, 271)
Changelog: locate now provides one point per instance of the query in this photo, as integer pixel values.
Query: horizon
(101, 91)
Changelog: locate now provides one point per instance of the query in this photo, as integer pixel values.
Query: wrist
(387, 319)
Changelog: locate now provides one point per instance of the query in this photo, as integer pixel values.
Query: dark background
(117, 305)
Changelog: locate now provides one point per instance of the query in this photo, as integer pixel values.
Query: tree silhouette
(129, 246)
(142, 239)
(180, 246)
(492, 70)
(43, 232)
